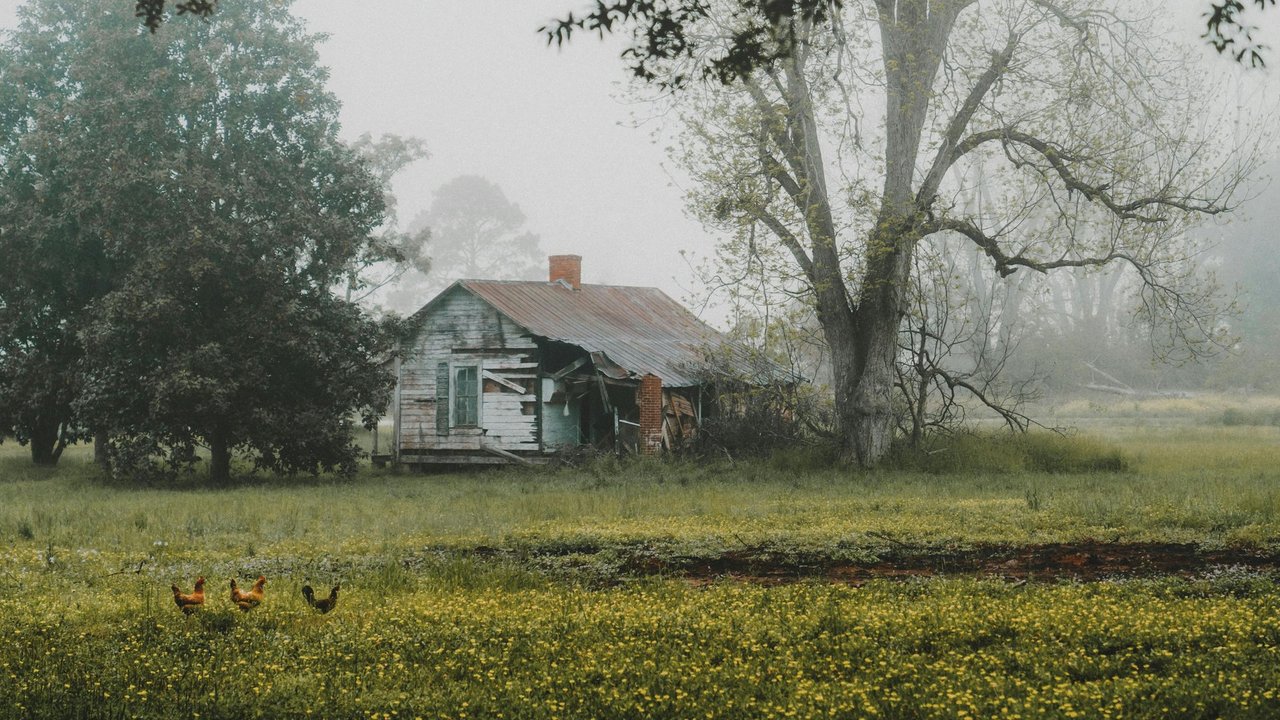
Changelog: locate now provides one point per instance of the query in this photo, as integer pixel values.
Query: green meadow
(505, 593)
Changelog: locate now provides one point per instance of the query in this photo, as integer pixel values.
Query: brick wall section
(567, 268)
(649, 398)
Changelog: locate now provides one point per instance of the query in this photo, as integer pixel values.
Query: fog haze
(480, 86)
(478, 83)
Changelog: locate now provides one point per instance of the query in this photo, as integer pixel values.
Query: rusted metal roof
(641, 330)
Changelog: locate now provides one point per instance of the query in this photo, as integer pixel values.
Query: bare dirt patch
(1084, 561)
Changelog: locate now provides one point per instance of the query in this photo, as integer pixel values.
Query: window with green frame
(466, 396)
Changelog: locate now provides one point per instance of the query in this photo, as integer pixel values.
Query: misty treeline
(182, 233)
(942, 200)
(470, 230)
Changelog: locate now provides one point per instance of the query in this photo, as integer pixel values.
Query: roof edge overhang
(599, 358)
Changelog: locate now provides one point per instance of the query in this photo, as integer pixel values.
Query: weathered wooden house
(516, 371)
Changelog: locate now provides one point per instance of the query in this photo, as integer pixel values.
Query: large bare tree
(847, 151)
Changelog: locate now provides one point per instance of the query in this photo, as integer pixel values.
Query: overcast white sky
(476, 81)
(479, 85)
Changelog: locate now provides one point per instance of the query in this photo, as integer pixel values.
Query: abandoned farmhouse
(517, 371)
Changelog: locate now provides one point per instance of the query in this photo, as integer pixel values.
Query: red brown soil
(1085, 561)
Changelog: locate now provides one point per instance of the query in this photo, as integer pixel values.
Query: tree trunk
(913, 34)
(862, 332)
(100, 442)
(48, 440)
(870, 414)
(219, 458)
(45, 444)
(864, 393)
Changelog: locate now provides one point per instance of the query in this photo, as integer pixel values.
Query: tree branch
(788, 239)
(1060, 162)
(948, 150)
(775, 130)
(1007, 264)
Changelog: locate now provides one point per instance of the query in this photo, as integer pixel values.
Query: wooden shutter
(442, 398)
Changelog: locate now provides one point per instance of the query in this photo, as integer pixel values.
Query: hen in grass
(247, 601)
(324, 605)
(189, 602)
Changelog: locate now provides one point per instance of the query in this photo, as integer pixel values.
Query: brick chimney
(649, 398)
(567, 268)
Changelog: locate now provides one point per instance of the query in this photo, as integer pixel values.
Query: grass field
(500, 594)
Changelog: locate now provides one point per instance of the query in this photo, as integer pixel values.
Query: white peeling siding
(461, 329)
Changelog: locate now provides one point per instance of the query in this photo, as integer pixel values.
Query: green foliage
(1229, 33)
(179, 210)
(803, 459)
(152, 11)
(751, 420)
(63, 139)
(392, 252)
(664, 33)
(1233, 417)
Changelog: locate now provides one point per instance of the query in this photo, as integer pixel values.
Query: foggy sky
(480, 86)
(475, 81)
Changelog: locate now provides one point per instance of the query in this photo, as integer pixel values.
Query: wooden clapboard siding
(461, 329)
(507, 426)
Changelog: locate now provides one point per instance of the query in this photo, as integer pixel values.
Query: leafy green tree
(77, 136)
(211, 343)
(191, 186)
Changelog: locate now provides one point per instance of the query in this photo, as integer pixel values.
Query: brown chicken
(189, 603)
(324, 605)
(248, 600)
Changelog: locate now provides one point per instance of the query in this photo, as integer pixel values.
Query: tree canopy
(759, 33)
(840, 171)
(663, 30)
(179, 211)
(477, 232)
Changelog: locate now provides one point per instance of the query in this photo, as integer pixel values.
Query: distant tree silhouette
(473, 231)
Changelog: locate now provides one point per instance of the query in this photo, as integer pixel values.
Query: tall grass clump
(983, 453)
(1235, 417)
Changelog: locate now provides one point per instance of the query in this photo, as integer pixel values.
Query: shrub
(1232, 417)
(753, 421)
(1003, 454)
